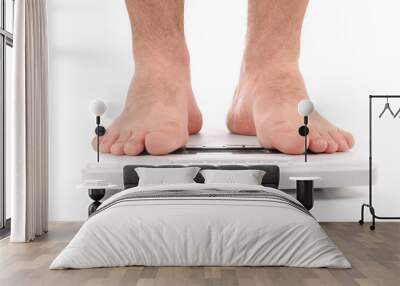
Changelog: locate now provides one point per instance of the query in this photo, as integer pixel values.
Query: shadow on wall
(335, 193)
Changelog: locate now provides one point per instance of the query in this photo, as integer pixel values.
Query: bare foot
(265, 104)
(270, 84)
(160, 112)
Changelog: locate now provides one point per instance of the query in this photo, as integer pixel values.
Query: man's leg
(270, 85)
(160, 110)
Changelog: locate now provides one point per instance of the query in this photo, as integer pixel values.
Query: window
(6, 44)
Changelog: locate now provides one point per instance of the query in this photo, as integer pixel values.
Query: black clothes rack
(370, 204)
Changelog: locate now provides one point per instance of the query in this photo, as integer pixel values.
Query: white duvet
(185, 231)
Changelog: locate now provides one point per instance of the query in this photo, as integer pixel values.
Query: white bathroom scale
(222, 140)
(222, 148)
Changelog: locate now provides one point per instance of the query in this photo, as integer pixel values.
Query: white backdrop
(349, 49)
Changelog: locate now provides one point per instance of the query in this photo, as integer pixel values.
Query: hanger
(387, 107)
(397, 113)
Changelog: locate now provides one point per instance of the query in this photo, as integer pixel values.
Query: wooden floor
(375, 257)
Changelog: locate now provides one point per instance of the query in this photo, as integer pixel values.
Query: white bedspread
(200, 231)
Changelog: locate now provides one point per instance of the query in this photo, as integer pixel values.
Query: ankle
(260, 53)
(272, 77)
(271, 68)
(165, 54)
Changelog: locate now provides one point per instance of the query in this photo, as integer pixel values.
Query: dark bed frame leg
(96, 195)
(305, 193)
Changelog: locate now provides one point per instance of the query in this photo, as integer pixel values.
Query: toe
(281, 137)
(118, 147)
(332, 145)
(166, 140)
(135, 145)
(105, 141)
(348, 137)
(340, 140)
(317, 143)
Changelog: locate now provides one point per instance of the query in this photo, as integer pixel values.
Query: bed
(201, 224)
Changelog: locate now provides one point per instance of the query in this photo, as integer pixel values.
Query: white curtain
(27, 140)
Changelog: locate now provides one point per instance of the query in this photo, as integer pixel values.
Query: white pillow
(248, 177)
(163, 176)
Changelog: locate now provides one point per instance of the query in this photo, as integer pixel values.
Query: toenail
(115, 145)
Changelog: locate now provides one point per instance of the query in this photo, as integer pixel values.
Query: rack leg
(372, 210)
(361, 221)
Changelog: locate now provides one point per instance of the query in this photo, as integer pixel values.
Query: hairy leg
(271, 85)
(160, 110)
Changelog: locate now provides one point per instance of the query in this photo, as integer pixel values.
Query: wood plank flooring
(375, 257)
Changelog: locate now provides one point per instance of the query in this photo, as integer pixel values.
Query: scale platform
(222, 148)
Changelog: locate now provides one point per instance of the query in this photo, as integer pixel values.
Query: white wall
(350, 49)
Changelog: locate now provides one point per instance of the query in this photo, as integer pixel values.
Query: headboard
(270, 179)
